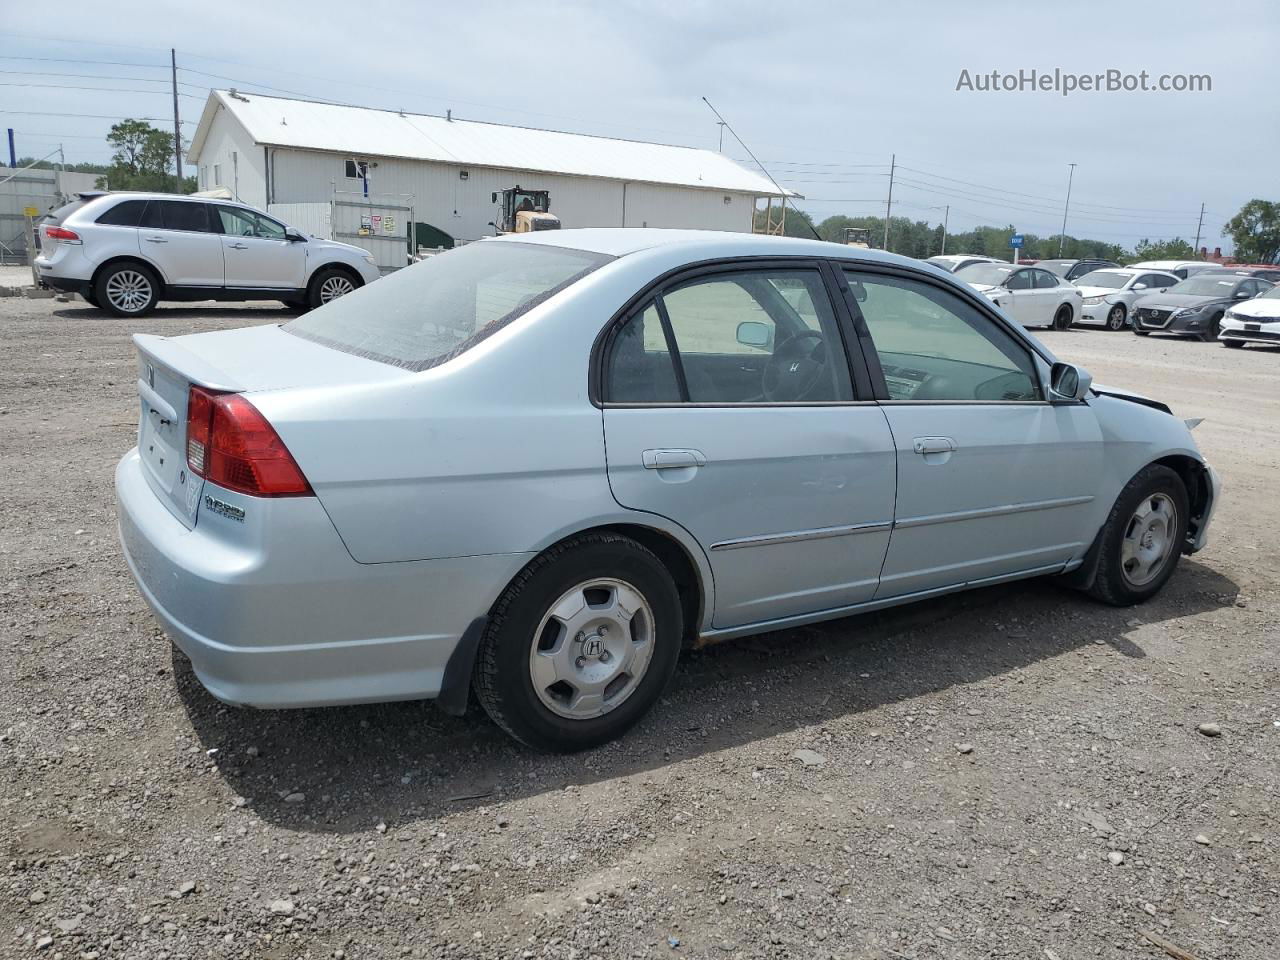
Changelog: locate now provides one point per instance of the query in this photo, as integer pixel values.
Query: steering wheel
(796, 368)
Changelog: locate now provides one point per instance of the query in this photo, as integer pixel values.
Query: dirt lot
(1013, 773)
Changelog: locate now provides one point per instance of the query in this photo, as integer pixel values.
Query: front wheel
(1215, 328)
(1232, 344)
(1143, 333)
(1062, 319)
(1115, 318)
(581, 644)
(1142, 539)
(329, 284)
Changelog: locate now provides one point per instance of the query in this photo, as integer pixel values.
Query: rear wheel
(329, 284)
(1142, 538)
(1232, 344)
(127, 290)
(1062, 319)
(1215, 328)
(580, 646)
(1115, 318)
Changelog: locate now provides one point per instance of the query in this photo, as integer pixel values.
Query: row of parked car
(1208, 301)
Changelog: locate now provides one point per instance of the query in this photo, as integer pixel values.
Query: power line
(101, 63)
(95, 76)
(62, 86)
(86, 116)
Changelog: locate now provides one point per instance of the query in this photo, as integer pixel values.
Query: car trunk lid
(252, 359)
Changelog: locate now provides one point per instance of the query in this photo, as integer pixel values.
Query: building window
(217, 174)
(357, 169)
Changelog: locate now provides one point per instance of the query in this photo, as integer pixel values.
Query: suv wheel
(126, 290)
(581, 645)
(1142, 538)
(329, 284)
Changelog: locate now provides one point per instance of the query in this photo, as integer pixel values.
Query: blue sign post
(1016, 241)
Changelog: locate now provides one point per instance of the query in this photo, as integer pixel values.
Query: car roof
(700, 244)
(90, 195)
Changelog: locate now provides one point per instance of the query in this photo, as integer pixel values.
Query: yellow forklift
(524, 211)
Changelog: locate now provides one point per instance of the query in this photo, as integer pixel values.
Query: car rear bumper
(273, 611)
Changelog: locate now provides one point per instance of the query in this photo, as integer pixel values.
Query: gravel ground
(1015, 772)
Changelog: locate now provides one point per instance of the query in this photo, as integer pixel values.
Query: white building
(348, 162)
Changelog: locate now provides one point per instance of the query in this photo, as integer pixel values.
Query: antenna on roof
(448, 114)
(726, 125)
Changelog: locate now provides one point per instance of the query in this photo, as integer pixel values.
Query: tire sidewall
(1058, 322)
(1111, 581)
(104, 302)
(524, 714)
(313, 290)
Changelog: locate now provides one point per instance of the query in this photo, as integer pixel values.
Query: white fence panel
(315, 219)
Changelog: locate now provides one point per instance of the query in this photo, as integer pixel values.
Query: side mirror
(1242, 295)
(293, 236)
(754, 334)
(1138, 286)
(1068, 383)
(858, 290)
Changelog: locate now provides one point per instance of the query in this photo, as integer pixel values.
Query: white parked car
(1179, 268)
(541, 465)
(1109, 294)
(953, 262)
(1254, 321)
(125, 252)
(1033, 296)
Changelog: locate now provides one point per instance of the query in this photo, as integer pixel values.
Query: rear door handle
(924, 445)
(672, 459)
(155, 239)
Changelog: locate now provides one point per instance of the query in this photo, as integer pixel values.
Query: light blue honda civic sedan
(539, 466)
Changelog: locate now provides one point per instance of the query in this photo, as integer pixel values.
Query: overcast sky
(823, 94)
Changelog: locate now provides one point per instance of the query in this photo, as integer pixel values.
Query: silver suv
(124, 252)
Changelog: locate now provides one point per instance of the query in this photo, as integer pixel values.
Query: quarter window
(766, 336)
(127, 213)
(933, 345)
(1045, 280)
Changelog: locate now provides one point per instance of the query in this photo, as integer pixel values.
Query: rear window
(431, 312)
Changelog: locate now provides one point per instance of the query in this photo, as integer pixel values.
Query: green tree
(1175, 249)
(1255, 231)
(142, 160)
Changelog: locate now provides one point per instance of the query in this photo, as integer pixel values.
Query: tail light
(230, 443)
(62, 234)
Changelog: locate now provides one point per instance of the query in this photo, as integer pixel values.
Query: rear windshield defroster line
(431, 312)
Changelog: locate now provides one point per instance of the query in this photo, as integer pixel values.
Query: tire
(1232, 344)
(525, 636)
(1142, 539)
(1062, 319)
(296, 304)
(91, 298)
(329, 284)
(1115, 318)
(127, 290)
(1142, 333)
(1215, 328)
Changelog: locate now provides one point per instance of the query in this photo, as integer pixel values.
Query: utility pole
(946, 217)
(1062, 238)
(177, 125)
(888, 207)
(1195, 252)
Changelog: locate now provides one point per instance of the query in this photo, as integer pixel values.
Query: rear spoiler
(180, 360)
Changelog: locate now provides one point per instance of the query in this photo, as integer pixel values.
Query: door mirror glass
(1069, 383)
(753, 334)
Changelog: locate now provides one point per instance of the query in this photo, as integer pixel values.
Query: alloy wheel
(592, 648)
(1115, 318)
(335, 287)
(1148, 539)
(129, 291)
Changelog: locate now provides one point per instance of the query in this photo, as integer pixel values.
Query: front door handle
(925, 445)
(155, 240)
(238, 246)
(672, 459)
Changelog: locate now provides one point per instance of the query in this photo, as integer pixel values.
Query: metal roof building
(279, 153)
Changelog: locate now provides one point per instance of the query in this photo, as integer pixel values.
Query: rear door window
(177, 215)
